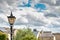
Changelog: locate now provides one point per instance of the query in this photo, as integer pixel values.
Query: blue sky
(39, 14)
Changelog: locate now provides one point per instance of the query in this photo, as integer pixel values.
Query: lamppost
(11, 20)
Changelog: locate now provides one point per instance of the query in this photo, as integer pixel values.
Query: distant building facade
(48, 35)
(7, 31)
(57, 36)
(35, 32)
(45, 35)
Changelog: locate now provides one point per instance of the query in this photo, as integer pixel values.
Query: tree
(3, 36)
(25, 34)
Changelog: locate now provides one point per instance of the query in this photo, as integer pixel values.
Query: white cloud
(48, 19)
(29, 16)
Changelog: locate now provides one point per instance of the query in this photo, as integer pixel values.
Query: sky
(35, 14)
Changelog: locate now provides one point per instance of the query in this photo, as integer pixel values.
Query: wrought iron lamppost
(11, 20)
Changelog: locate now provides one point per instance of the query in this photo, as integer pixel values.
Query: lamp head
(11, 19)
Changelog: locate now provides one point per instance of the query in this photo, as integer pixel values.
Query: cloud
(3, 23)
(28, 15)
(30, 18)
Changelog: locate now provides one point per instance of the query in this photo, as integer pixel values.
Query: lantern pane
(11, 20)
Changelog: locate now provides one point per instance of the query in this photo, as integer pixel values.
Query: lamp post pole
(11, 20)
(11, 33)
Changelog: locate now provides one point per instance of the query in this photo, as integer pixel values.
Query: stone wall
(57, 36)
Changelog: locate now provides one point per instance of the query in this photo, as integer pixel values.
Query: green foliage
(25, 34)
(3, 36)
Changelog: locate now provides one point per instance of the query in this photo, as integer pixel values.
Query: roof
(2, 29)
(56, 33)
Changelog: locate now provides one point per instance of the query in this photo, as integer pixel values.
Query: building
(48, 35)
(57, 36)
(45, 35)
(3, 29)
(35, 32)
(7, 31)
